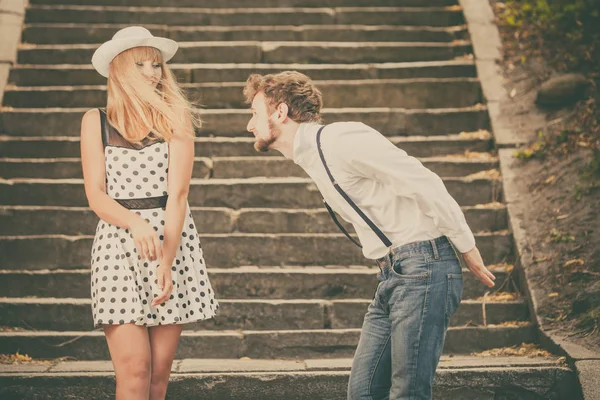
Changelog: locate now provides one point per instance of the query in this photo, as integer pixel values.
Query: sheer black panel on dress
(112, 137)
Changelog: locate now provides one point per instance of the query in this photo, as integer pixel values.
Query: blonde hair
(135, 108)
(293, 88)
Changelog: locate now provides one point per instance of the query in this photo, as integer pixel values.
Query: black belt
(144, 203)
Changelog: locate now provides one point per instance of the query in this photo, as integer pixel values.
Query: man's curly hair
(293, 88)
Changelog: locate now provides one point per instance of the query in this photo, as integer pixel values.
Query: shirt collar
(303, 140)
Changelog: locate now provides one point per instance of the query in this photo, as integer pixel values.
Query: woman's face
(150, 70)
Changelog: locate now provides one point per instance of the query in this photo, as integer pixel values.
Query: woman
(148, 273)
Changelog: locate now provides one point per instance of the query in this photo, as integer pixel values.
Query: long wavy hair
(136, 108)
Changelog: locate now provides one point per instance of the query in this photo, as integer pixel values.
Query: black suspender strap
(339, 225)
(374, 227)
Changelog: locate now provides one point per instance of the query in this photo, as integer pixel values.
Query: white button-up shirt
(406, 201)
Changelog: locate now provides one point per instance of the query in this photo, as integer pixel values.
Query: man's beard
(263, 145)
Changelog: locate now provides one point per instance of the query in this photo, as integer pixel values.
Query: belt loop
(436, 255)
(379, 262)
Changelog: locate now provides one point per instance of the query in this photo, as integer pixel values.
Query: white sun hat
(127, 38)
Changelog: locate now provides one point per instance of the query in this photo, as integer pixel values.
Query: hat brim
(104, 55)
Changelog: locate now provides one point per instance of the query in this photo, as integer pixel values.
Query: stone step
(232, 123)
(233, 17)
(267, 283)
(232, 193)
(267, 52)
(69, 75)
(292, 344)
(254, 3)
(69, 147)
(248, 167)
(225, 250)
(49, 220)
(76, 33)
(395, 93)
(228, 167)
(457, 377)
(490, 217)
(74, 314)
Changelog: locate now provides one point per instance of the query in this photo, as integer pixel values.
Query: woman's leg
(163, 342)
(129, 348)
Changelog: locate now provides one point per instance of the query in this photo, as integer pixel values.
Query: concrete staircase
(292, 289)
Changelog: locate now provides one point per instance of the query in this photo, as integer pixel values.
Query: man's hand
(474, 263)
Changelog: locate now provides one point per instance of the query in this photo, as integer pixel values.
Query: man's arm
(369, 154)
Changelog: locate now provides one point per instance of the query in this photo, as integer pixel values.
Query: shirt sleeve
(367, 153)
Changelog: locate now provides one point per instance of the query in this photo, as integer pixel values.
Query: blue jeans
(420, 287)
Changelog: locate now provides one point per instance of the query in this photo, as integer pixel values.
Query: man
(405, 220)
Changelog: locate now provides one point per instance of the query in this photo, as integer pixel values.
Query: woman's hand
(165, 283)
(146, 240)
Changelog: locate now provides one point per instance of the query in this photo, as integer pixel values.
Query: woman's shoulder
(90, 115)
(90, 122)
(93, 111)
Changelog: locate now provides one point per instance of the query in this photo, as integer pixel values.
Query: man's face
(262, 125)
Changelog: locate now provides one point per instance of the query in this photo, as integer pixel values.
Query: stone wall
(12, 13)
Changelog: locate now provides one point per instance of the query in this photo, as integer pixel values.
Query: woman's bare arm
(181, 163)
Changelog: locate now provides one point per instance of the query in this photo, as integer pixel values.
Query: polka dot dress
(123, 285)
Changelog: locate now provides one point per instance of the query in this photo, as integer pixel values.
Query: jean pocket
(454, 294)
(412, 268)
